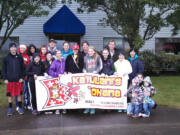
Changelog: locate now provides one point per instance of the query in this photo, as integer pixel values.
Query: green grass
(168, 91)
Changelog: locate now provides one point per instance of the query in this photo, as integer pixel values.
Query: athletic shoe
(145, 115)
(135, 116)
(64, 111)
(29, 107)
(120, 110)
(10, 112)
(20, 111)
(86, 111)
(57, 112)
(35, 112)
(92, 111)
(17, 108)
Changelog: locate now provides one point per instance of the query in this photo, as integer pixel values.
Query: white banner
(82, 90)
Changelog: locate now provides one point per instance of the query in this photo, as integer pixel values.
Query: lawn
(168, 91)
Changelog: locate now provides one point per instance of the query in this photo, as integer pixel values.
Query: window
(168, 45)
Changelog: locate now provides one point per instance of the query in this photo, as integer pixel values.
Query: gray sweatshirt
(90, 65)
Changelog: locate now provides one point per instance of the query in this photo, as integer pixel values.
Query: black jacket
(34, 68)
(13, 68)
(116, 54)
(72, 66)
(108, 67)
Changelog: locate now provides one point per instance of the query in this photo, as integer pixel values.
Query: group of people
(24, 64)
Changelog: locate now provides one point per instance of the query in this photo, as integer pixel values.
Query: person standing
(85, 46)
(52, 47)
(43, 51)
(66, 50)
(13, 72)
(137, 66)
(122, 68)
(92, 64)
(113, 51)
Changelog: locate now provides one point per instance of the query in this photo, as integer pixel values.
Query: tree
(136, 20)
(14, 12)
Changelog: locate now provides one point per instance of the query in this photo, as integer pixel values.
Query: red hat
(75, 46)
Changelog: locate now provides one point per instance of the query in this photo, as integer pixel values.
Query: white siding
(32, 29)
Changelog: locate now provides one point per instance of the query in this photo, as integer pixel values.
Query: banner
(73, 91)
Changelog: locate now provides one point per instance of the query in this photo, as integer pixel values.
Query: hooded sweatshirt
(26, 58)
(57, 67)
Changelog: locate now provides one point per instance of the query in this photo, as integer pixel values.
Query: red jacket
(43, 57)
(26, 58)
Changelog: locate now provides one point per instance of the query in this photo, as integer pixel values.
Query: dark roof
(64, 21)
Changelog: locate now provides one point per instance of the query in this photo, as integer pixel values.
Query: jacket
(57, 67)
(13, 68)
(108, 67)
(47, 65)
(34, 68)
(43, 57)
(90, 65)
(137, 66)
(115, 56)
(74, 66)
(65, 54)
(26, 58)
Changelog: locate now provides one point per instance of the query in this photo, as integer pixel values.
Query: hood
(25, 53)
(135, 57)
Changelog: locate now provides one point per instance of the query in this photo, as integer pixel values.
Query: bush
(152, 62)
(156, 63)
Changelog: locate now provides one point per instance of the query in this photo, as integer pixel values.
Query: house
(87, 27)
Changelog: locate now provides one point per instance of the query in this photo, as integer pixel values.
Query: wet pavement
(163, 121)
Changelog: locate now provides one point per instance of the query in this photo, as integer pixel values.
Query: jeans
(148, 106)
(133, 109)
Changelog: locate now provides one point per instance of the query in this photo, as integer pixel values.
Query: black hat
(12, 45)
(35, 55)
(52, 40)
(121, 52)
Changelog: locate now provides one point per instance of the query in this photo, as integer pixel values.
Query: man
(113, 51)
(52, 47)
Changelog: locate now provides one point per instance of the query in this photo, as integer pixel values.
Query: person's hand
(21, 80)
(6, 81)
(147, 94)
(94, 72)
(134, 95)
(35, 77)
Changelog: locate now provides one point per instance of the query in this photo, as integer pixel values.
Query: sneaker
(35, 112)
(49, 112)
(20, 111)
(92, 111)
(17, 108)
(135, 116)
(140, 114)
(120, 110)
(57, 112)
(10, 112)
(86, 111)
(64, 111)
(145, 115)
(29, 107)
(129, 114)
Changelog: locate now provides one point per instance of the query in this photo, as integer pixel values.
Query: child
(108, 64)
(22, 50)
(92, 64)
(43, 52)
(34, 69)
(122, 68)
(66, 51)
(148, 92)
(74, 62)
(31, 50)
(13, 74)
(136, 95)
(47, 63)
(56, 69)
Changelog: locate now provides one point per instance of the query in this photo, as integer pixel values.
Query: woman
(92, 64)
(31, 50)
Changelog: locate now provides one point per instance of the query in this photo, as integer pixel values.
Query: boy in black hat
(13, 72)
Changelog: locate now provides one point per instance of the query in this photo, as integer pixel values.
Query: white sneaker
(140, 114)
(17, 108)
(29, 107)
(145, 116)
(57, 112)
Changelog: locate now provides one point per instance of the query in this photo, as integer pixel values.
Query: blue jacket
(108, 67)
(137, 66)
(13, 68)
